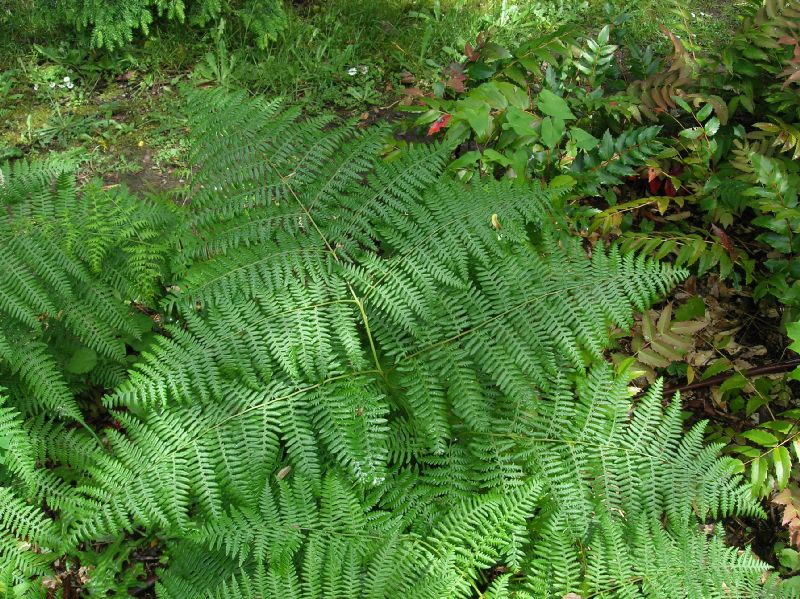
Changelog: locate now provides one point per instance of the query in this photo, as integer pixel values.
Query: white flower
(70, 85)
(36, 87)
(52, 84)
(352, 71)
(363, 68)
(694, 16)
(66, 79)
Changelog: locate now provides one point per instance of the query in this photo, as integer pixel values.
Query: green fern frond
(371, 381)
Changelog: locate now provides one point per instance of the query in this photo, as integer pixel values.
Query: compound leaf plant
(331, 375)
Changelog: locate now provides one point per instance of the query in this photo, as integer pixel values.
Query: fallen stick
(720, 378)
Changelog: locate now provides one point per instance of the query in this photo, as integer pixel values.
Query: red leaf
(669, 188)
(725, 240)
(655, 185)
(471, 53)
(439, 124)
(676, 170)
(456, 77)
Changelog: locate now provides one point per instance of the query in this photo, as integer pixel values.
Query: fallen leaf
(791, 513)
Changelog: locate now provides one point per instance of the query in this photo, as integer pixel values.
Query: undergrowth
(343, 360)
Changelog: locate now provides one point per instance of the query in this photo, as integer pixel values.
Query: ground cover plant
(334, 347)
(428, 299)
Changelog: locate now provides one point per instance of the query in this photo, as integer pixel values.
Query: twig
(715, 380)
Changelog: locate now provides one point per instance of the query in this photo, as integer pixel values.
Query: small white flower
(60, 86)
(36, 87)
(52, 84)
(363, 68)
(70, 85)
(66, 79)
(352, 71)
(694, 16)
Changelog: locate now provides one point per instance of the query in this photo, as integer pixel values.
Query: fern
(366, 386)
(67, 260)
(113, 23)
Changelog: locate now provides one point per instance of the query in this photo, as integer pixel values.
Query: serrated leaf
(783, 466)
(651, 358)
(712, 126)
(761, 437)
(671, 353)
(665, 319)
(691, 133)
(688, 328)
(665, 248)
(758, 472)
(583, 139)
(716, 367)
(554, 106)
(514, 95)
(704, 112)
(606, 150)
(465, 160)
(736, 381)
(682, 103)
(694, 307)
(552, 131)
(492, 51)
(648, 328)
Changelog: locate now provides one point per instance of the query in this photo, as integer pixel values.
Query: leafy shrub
(571, 109)
(367, 380)
(113, 22)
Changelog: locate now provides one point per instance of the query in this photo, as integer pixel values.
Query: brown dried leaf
(791, 512)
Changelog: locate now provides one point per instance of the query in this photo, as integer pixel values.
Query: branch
(715, 380)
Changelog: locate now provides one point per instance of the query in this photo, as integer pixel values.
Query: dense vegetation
(418, 327)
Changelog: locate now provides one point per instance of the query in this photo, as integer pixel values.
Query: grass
(348, 55)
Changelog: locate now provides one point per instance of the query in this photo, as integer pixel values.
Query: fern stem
(367, 330)
(332, 252)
